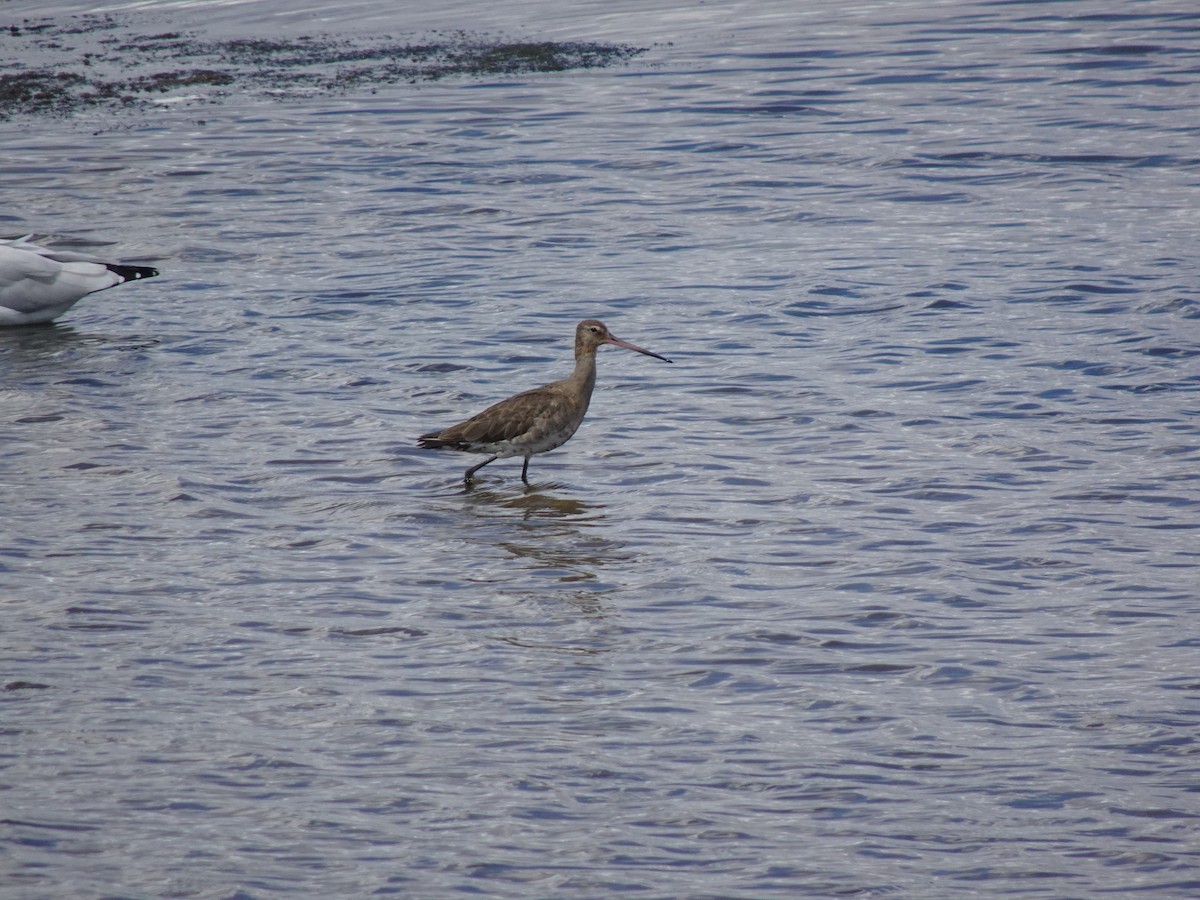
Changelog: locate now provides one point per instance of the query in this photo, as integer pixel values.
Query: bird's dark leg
(471, 471)
(525, 471)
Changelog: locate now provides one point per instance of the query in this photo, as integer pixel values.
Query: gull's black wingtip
(132, 273)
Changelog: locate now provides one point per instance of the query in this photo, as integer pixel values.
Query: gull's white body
(39, 284)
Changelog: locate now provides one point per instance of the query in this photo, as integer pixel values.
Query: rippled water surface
(887, 587)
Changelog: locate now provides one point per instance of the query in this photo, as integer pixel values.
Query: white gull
(39, 284)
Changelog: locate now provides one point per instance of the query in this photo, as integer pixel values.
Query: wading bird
(537, 420)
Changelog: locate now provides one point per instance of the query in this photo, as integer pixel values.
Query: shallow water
(887, 587)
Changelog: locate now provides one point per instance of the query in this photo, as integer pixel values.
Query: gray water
(887, 587)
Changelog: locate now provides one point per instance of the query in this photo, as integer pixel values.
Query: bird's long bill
(617, 342)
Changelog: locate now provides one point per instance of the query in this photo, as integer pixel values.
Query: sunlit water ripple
(887, 587)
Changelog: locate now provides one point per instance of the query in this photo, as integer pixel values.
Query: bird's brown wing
(536, 410)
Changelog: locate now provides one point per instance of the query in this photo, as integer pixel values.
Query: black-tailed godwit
(537, 420)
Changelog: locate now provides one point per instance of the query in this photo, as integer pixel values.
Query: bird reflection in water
(533, 501)
(553, 532)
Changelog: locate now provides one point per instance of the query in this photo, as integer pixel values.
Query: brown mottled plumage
(533, 421)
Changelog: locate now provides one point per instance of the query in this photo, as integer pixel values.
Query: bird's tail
(431, 441)
(131, 273)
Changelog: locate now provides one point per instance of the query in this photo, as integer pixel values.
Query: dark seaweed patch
(167, 81)
(39, 92)
(87, 62)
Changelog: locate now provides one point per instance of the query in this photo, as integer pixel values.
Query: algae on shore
(86, 62)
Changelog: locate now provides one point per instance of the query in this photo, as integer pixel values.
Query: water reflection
(533, 501)
(556, 535)
(40, 342)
